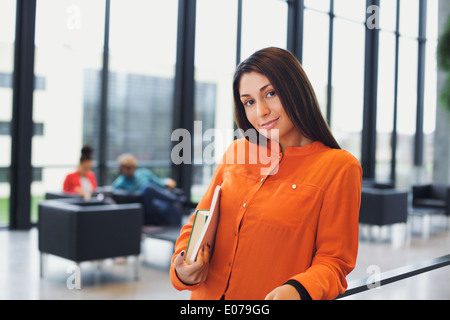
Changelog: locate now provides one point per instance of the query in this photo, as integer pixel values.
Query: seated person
(161, 205)
(133, 179)
(83, 181)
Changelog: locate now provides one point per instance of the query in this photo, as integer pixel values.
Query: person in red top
(83, 181)
(288, 227)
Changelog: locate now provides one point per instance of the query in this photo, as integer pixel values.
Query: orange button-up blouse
(291, 219)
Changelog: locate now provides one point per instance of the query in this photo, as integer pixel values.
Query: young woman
(292, 232)
(83, 181)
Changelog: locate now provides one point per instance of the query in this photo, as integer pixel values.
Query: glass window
(385, 107)
(351, 9)
(322, 5)
(409, 18)
(215, 62)
(388, 14)
(7, 36)
(407, 107)
(264, 24)
(141, 83)
(348, 85)
(315, 54)
(430, 103)
(432, 19)
(69, 47)
(431, 98)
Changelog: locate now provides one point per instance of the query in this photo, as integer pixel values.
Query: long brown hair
(296, 93)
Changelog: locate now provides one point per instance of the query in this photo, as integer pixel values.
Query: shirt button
(262, 179)
(235, 234)
(294, 186)
(229, 264)
(244, 205)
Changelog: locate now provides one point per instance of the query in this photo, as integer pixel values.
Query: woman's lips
(270, 125)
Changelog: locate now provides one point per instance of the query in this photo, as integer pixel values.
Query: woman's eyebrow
(260, 90)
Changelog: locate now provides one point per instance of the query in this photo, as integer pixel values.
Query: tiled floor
(20, 278)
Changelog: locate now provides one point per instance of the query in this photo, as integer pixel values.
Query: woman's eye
(248, 103)
(271, 94)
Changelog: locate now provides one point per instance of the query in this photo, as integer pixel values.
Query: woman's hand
(286, 292)
(80, 192)
(195, 273)
(170, 183)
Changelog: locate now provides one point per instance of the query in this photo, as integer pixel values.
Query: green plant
(443, 60)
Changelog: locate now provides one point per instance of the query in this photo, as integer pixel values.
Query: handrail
(365, 284)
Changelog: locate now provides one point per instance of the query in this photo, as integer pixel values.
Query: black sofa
(84, 230)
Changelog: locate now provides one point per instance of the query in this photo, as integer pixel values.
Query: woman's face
(84, 167)
(265, 111)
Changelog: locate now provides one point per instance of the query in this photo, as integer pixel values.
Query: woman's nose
(263, 109)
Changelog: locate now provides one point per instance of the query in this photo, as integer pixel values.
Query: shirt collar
(295, 151)
(305, 150)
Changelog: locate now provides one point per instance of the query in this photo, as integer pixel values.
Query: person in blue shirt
(162, 206)
(133, 178)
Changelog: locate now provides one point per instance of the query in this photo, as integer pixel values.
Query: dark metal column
(393, 176)
(103, 125)
(22, 116)
(418, 142)
(330, 63)
(369, 131)
(295, 27)
(183, 116)
(238, 47)
(239, 32)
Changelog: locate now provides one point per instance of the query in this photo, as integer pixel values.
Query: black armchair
(432, 196)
